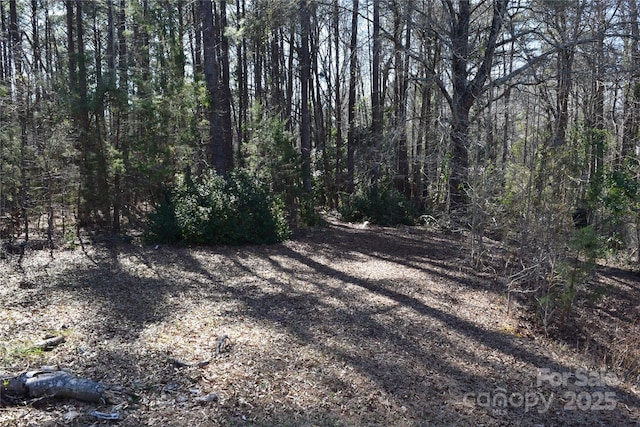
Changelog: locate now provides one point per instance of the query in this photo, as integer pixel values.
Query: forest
(511, 119)
(495, 141)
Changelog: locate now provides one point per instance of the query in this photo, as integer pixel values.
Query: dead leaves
(346, 326)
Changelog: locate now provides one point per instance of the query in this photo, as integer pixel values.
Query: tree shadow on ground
(419, 359)
(407, 348)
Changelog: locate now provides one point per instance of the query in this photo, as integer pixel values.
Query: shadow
(408, 347)
(358, 323)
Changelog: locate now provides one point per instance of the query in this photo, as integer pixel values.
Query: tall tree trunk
(507, 114)
(4, 47)
(290, 79)
(401, 59)
(420, 165)
(181, 59)
(225, 89)
(598, 140)
(318, 115)
(220, 153)
(376, 107)
(242, 86)
(121, 142)
(277, 99)
(565, 65)
(257, 67)
(15, 42)
(466, 91)
(632, 96)
(3, 114)
(22, 112)
(35, 47)
(305, 115)
(82, 121)
(94, 206)
(338, 105)
(351, 106)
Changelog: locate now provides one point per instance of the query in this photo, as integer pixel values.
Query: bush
(382, 206)
(214, 210)
(162, 226)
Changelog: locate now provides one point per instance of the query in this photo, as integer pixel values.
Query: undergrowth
(382, 205)
(214, 210)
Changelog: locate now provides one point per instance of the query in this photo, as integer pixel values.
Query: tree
(351, 105)
(216, 78)
(402, 23)
(632, 90)
(93, 198)
(467, 88)
(339, 174)
(305, 115)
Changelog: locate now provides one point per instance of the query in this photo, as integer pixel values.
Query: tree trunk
(242, 86)
(319, 117)
(121, 142)
(93, 198)
(422, 140)
(338, 105)
(290, 79)
(466, 91)
(598, 140)
(219, 153)
(632, 97)
(353, 73)
(5, 67)
(225, 89)
(22, 112)
(400, 94)
(376, 108)
(305, 116)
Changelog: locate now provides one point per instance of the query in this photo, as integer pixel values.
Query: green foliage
(162, 225)
(214, 210)
(622, 193)
(271, 152)
(616, 205)
(273, 157)
(308, 212)
(539, 196)
(587, 247)
(383, 206)
(586, 243)
(568, 282)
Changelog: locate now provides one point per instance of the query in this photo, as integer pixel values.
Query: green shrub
(383, 206)
(570, 279)
(214, 210)
(162, 226)
(586, 247)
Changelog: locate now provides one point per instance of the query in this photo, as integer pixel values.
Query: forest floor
(341, 326)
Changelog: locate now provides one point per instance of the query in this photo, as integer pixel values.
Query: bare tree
(466, 87)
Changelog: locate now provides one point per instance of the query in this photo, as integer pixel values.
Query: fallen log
(50, 383)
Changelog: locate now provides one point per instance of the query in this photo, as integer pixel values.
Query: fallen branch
(49, 344)
(50, 383)
(223, 345)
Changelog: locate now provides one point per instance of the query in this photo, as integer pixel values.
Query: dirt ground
(341, 326)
